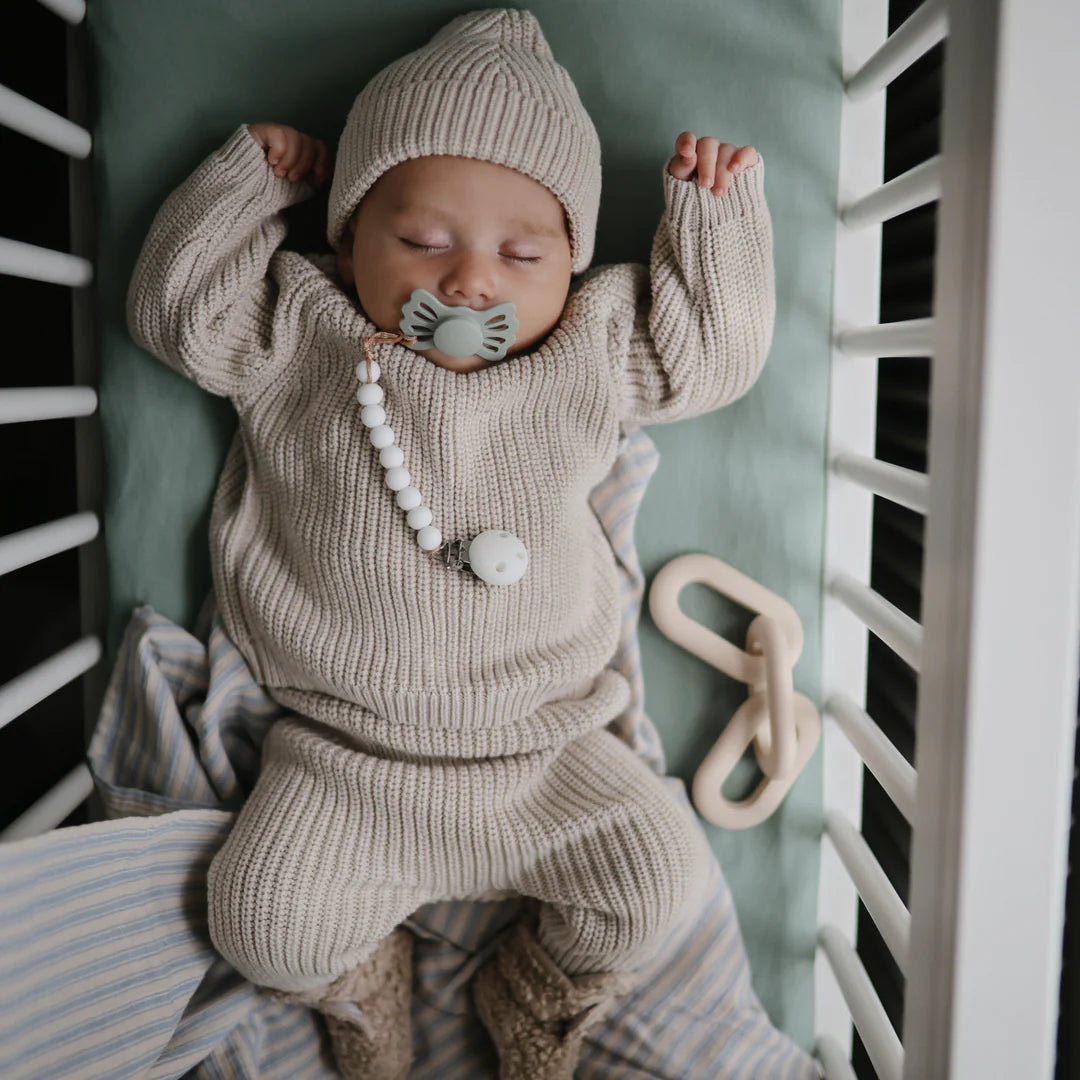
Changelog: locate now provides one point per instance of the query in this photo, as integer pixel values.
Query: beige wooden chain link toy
(783, 726)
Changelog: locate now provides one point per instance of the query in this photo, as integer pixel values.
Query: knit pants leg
(335, 847)
(617, 859)
(299, 893)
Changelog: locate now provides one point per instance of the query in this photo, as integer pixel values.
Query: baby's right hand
(293, 153)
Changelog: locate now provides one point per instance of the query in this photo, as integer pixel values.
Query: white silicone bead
(361, 371)
(418, 516)
(389, 456)
(408, 498)
(429, 538)
(372, 415)
(369, 394)
(397, 478)
(381, 436)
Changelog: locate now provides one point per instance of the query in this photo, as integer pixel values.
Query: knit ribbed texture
(335, 847)
(318, 575)
(486, 86)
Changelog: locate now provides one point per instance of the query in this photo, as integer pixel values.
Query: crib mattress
(172, 80)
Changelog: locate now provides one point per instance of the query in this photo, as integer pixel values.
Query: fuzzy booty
(537, 1015)
(367, 1012)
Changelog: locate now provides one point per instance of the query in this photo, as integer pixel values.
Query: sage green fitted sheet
(172, 80)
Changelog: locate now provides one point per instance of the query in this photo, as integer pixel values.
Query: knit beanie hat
(486, 86)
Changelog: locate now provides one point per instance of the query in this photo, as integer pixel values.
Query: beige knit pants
(335, 848)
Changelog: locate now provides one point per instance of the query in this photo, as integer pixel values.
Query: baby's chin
(461, 364)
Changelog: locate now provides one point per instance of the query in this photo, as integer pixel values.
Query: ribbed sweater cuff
(243, 160)
(692, 206)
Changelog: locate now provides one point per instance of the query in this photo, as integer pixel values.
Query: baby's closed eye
(432, 249)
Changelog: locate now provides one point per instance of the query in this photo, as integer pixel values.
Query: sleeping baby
(401, 539)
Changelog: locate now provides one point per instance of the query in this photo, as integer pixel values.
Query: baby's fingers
(271, 137)
(305, 159)
(743, 158)
(682, 165)
(289, 156)
(707, 148)
(277, 145)
(722, 177)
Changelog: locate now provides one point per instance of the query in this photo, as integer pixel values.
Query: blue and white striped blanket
(106, 967)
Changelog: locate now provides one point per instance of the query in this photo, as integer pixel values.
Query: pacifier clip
(495, 556)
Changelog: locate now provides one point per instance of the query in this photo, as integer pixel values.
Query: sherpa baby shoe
(537, 1015)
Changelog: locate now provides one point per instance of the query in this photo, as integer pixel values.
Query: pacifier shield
(487, 334)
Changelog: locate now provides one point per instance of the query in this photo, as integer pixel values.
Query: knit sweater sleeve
(693, 333)
(204, 297)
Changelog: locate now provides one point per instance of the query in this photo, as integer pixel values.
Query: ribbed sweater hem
(467, 723)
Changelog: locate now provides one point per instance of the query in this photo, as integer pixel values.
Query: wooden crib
(988, 795)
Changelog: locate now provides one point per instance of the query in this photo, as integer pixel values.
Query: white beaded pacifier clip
(495, 556)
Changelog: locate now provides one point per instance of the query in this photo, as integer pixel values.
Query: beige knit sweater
(318, 575)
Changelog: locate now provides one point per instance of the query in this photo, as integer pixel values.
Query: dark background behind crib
(41, 602)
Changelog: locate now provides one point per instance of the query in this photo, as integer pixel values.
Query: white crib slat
(26, 690)
(904, 486)
(42, 264)
(899, 631)
(881, 900)
(997, 694)
(72, 11)
(911, 337)
(871, 1021)
(918, 34)
(53, 807)
(833, 1059)
(914, 188)
(849, 507)
(42, 541)
(23, 404)
(887, 764)
(44, 126)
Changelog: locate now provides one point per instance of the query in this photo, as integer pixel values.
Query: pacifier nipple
(458, 331)
(458, 337)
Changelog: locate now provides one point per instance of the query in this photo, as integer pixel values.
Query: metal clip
(454, 554)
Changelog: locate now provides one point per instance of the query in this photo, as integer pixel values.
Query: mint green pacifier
(458, 331)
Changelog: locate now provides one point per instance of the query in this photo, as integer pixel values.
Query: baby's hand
(715, 162)
(290, 152)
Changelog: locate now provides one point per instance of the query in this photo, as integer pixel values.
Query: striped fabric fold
(106, 967)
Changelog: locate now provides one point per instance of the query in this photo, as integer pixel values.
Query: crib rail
(916, 37)
(42, 264)
(28, 117)
(46, 403)
(948, 946)
(40, 542)
(58, 803)
(885, 620)
(24, 405)
(914, 337)
(906, 487)
(877, 752)
(71, 11)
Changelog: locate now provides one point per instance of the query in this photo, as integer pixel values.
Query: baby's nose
(471, 282)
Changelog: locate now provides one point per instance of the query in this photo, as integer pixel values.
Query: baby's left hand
(714, 162)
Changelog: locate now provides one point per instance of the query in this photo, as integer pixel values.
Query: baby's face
(472, 233)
